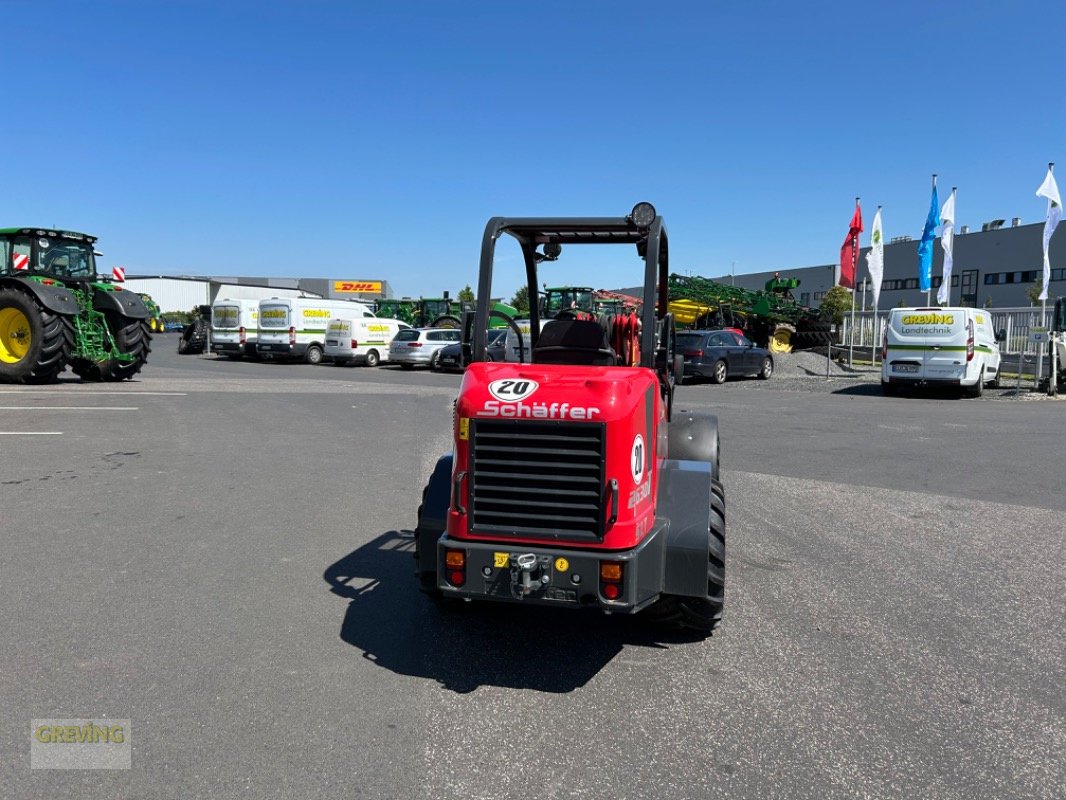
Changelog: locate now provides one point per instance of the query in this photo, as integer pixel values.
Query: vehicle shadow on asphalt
(927, 392)
(466, 645)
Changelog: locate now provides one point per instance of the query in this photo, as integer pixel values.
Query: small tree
(1034, 290)
(466, 294)
(837, 302)
(521, 300)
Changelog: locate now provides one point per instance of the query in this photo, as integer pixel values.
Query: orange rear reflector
(455, 559)
(610, 571)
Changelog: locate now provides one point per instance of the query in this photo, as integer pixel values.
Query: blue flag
(925, 249)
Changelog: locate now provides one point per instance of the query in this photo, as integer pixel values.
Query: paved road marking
(87, 391)
(69, 408)
(31, 433)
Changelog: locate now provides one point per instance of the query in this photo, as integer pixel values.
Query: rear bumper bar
(561, 577)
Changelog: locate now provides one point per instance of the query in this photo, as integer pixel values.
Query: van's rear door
(944, 332)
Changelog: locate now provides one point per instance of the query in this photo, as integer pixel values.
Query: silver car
(421, 346)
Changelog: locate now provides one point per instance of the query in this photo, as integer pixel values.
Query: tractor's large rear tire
(35, 343)
(699, 615)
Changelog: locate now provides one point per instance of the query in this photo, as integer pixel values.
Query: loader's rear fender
(126, 303)
(685, 499)
(434, 517)
(693, 436)
(57, 299)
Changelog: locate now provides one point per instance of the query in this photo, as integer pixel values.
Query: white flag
(875, 259)
(947, 239)
(1050, 190)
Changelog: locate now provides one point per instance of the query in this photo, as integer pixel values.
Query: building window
(818, 295)
(954, 280)
(910, 283)
(937, 280)
(805, 298)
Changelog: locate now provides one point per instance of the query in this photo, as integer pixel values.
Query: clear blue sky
(367, 140)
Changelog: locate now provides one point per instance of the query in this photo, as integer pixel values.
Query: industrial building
(992, 267)
(183, 293)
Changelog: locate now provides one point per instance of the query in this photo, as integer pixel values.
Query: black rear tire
(51, 338)
(699, 615)
(372, 358)
(767, 369)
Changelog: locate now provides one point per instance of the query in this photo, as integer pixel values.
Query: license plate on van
(904, 367)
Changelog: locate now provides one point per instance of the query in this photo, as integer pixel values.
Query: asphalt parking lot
(220, 553)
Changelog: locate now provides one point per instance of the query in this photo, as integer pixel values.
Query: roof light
(642, 215)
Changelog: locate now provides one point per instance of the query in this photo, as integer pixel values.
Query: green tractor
(55, 312)
(155, 316)
(426, 312)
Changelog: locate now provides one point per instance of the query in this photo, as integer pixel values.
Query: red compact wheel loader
(573, 480)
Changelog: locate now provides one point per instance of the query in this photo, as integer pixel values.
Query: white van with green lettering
(361, 341)
(295, 327)
(234, 325)
(940, 347)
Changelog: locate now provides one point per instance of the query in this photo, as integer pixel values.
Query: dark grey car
(721, 354)
(451, 357)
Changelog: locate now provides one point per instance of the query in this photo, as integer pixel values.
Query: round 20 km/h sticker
(511, 390)
(636, 461)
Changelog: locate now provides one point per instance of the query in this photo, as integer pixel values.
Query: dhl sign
(357, 287)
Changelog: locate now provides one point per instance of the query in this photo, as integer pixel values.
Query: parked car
(451, 357)
(421, 347)
(721, 354)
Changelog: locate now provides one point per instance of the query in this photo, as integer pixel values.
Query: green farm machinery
(55, 312)
(425, 312)
(770, 317)
(434, 312)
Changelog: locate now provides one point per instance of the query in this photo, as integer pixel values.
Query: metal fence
(1015, 321)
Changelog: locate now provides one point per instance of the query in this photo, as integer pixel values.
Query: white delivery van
(940, 346)
(360, 341)
(512, 351)
(233, 327)
(295, 327)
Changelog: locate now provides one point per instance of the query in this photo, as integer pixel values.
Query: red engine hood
(625, 401)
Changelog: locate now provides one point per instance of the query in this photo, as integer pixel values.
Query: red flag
(849, 251)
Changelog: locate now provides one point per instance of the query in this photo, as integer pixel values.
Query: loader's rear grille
(538, 478)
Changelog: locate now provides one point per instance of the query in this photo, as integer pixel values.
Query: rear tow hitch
(529, 574)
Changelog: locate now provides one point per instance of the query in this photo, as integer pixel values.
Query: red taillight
(969, 340)
(455, 561)
(414, 344)
(292, 335)
(611, 573)
(355, 344)
(698, 353)
(241, 334)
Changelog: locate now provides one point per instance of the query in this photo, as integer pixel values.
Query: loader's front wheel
(700, 615)
(34, 342)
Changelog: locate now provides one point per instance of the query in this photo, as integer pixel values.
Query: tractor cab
(565, 298)
(59, 254)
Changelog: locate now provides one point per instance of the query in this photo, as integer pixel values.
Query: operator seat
(574, 341)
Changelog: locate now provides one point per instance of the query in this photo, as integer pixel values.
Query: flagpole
(877, 326)
(930, 282)
(1043, 322)
(854, 279)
